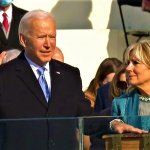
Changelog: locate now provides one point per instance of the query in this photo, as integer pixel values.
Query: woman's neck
(144, 91)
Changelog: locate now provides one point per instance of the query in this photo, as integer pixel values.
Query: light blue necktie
(43, 83)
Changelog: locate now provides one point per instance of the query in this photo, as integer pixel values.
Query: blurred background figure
(119, 83)
(2, 55)
(90, 93)
(6, 56)
(102, 101)
(58, 55)
(107, 92)
(104, 74)
(10, 16)
(11, 54)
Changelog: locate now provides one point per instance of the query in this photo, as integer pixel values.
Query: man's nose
(47, 41)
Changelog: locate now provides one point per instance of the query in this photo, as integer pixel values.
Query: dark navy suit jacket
(102, 99)
(103, 106)
(21, 97)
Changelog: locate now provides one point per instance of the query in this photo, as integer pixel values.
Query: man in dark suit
(10, 40)
(21, 95)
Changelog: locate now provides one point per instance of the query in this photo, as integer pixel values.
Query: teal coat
(127, 106)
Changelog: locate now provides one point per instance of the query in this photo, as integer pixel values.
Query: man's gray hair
(29, 16)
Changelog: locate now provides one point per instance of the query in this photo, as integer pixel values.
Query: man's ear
(22, 40)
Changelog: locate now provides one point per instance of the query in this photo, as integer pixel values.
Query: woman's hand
(120, 127)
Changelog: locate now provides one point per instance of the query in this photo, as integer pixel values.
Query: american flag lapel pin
(57, 72)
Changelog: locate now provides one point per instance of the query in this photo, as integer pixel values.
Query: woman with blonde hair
(136, 102)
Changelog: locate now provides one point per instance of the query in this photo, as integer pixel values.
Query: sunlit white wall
(88, 31)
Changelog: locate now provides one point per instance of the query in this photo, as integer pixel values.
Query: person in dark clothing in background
(10, 16)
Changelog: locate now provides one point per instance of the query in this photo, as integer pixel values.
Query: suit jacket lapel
(2, 35)
(25, 73)
(14, 22)
(56, 88)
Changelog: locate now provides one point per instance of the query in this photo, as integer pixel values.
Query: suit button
(46, 115)
(52, 142)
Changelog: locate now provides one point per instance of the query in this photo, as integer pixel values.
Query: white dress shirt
(46, 72)
(9, 17)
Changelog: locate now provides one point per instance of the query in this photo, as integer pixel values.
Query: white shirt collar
(34, 65)
(8, 12)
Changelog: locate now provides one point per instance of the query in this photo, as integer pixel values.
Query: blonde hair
(140, 50)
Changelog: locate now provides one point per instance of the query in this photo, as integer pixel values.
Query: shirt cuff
(113, 122)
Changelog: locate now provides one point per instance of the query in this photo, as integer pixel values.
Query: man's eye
(41, 37)
(44, 37)
(52, 37)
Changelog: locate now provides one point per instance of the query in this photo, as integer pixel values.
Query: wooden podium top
(127, 141)
(126, 135)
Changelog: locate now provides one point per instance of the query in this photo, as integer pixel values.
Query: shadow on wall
(116, 42)
(72, 14)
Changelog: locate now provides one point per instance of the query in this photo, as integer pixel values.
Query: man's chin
(46, 61)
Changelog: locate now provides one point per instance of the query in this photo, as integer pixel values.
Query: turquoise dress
(127, 106)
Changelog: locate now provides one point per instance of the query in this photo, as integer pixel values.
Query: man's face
(40, 41)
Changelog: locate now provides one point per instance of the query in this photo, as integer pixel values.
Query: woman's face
(138, 74)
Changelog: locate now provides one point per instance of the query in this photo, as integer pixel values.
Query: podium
(128, 141)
